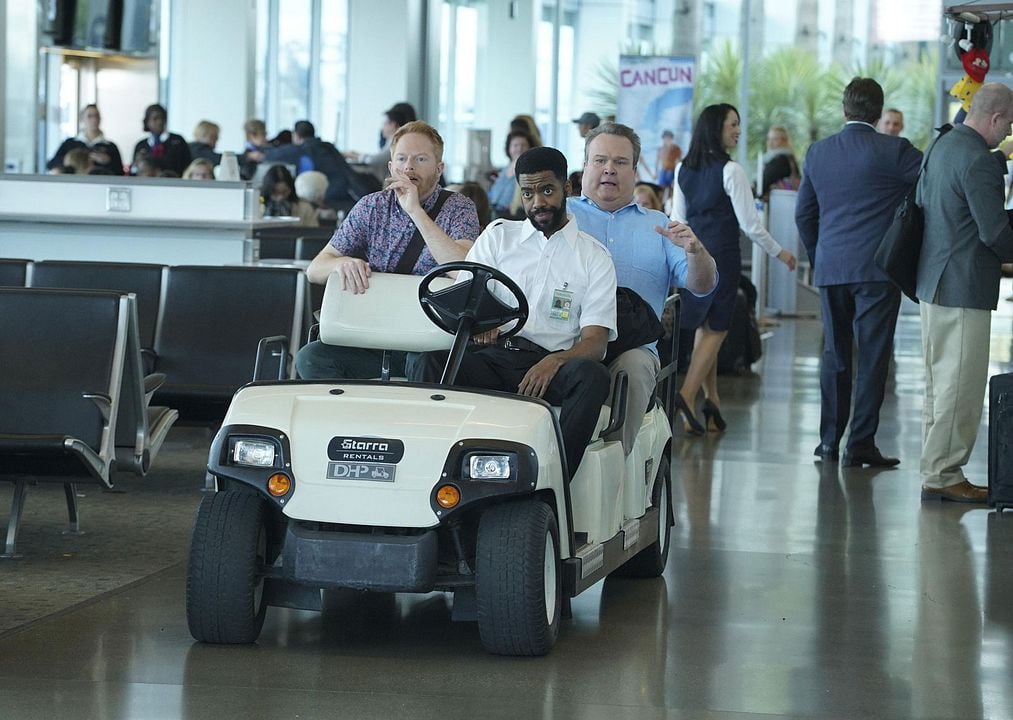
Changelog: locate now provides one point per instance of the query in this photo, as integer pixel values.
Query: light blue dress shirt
(646, 261)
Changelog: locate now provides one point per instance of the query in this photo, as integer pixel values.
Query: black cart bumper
(362, 561)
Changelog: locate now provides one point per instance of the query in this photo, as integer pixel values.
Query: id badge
(562, 300)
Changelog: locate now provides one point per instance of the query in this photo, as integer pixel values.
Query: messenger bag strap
(943, 129)
(415, 245)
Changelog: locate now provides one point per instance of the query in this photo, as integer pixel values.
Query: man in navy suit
(852, 184)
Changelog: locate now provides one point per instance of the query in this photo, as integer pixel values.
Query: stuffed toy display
(975, 62)
(973, 53)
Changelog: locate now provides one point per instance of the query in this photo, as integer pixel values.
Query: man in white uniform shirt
(570, 285)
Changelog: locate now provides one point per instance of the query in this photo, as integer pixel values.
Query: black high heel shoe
(690, 423)
(712, 417)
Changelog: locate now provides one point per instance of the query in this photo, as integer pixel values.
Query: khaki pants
(955, 343)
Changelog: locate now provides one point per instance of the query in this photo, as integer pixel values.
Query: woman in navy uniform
(712, 195)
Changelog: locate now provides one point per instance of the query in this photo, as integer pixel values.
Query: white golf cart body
(366, 460)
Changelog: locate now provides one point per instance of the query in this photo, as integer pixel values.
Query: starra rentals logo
(365, 449)
(365, 445)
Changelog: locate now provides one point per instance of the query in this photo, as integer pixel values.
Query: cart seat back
(387, 316)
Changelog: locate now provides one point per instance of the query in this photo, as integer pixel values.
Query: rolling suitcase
(1000, 441)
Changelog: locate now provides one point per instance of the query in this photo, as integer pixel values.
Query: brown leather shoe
(963, 492)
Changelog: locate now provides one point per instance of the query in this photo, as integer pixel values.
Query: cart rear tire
(651, 561)
(225, 578)
(518, 582)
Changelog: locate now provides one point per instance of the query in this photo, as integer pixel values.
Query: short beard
(555, 222)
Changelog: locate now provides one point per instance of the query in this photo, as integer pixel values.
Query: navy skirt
(716, 309)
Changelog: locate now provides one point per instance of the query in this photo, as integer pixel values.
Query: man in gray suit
(851, 185)
(967, 237)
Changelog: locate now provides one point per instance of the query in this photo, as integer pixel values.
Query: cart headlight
(489, 467)
(255, 453)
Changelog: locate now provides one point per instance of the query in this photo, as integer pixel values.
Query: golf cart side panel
(654, 435)
(347, 487)
(596, 492)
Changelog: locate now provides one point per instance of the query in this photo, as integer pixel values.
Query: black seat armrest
(265, 357)
(151, 383)
(148, 360)
(617, 414)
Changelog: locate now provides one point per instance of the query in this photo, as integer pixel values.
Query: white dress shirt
(570, 265)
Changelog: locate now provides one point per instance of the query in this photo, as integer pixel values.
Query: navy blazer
(851, 185)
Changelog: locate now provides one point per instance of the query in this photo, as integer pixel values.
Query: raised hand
(682, 236)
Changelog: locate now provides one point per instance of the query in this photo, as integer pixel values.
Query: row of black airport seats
(75, 402)
(200, 326)
(291, 243)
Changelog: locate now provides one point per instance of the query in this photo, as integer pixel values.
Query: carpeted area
(130, 533)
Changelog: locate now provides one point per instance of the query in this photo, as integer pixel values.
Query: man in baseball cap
(587, 122)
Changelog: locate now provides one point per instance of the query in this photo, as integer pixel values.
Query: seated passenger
(647, 197)
(570, 285)
(409, 228)
(205, 137)
(308, 152)
(147, 166)
(199, 169)
(277, 192)
(168, 149)
(650, 253)
(503, 194)
(311, 187)
(253, 149)
(103, 154)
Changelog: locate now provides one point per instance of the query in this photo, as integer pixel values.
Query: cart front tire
(518, 582)
(225, 578)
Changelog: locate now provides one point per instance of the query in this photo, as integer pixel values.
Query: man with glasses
(651, 253)
(967, 237)
(408, 228)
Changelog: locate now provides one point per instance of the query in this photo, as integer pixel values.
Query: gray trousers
(642, 367)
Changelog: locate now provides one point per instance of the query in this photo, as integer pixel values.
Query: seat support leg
(14, 520)
(70, 491)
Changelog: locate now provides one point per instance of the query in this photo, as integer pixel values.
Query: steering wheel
(472, 300)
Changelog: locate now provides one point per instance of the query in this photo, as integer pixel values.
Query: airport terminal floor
(793, 590)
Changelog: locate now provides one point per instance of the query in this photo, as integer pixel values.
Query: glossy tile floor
(794, 590)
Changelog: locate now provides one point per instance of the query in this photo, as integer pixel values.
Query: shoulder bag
(901, 246)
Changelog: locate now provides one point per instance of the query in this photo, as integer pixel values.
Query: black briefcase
(1000, 441)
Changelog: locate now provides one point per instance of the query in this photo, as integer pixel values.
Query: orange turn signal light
(448, 496)
(279, 484)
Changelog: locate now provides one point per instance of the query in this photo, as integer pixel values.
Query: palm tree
(918, 96)
(717, 77)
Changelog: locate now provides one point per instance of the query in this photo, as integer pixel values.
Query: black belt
(519, 343)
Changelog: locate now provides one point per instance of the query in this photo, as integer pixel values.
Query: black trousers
(866, 313)
(580, 387)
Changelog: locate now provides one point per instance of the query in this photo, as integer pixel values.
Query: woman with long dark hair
(712, 195)
(277, 191)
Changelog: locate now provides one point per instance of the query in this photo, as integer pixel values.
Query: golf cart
(393, 486)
